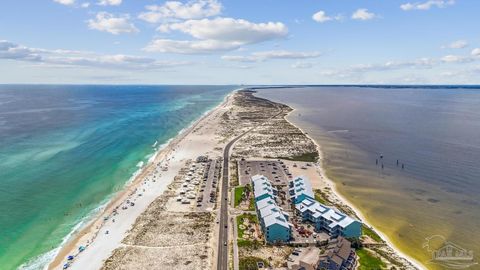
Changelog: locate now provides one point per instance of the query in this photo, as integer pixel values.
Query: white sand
(199, 139)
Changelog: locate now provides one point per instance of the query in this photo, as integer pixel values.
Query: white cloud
(267, 55)
(476, 52)
(240, 58)
(107, 22)
(459, 44)
(391, 65)
(363, 14)
(321, 17)
(456, 59)
(229, 29)
(427, 5)
(219, 34)
(240, 66)
(65, 2)
(12, 51)
(360, 69)
(451, 73)
(109, 2)
(302, 65)
(73, 3)
(195, 9)
(190, 46)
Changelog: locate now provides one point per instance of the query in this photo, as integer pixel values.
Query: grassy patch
(240, 231)
(320, 196)
(242, 193)
(250, 263)
(368, 261)
(252, 219)
(306, 157)
(249, 244)
(371, 233)
(238, 195)
(251, 205)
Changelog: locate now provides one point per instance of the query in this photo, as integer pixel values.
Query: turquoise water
(65, 149)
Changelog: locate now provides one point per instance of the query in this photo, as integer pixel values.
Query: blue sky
(240, 42)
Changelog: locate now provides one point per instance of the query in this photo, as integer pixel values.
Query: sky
(240, 41)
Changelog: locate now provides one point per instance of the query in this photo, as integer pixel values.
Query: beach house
(300, 189)
(339, 255)
(328, 219)
(273, 220)
(324, 218)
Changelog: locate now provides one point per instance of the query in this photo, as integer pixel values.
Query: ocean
(434, 132)
(65, 150)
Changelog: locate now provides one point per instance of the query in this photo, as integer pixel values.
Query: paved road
(222, 260)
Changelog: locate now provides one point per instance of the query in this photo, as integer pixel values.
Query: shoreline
(329, 182)
(91, 229)
(348, 203)
(160, 158)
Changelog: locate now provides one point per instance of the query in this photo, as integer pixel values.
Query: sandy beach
(108, 228)
(112, 231)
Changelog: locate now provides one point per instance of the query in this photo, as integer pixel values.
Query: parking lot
(207, 194)
(275, 171)
(197, 185)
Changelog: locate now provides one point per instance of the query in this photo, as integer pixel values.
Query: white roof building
(273, 220)
(332, 216)
(300, 188)
(276, 218)
(264, 202)
(262, 187)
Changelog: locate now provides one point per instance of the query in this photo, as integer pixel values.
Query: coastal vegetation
(234, 174)
(251, 204)
(305, 157)
(249, 244)
(320, 196)
(369, 261)
(250, 263)
(371, 233)
(389, 258)
(272, 136)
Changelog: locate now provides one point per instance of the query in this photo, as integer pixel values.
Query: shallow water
(65, 149)
(434, 132)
